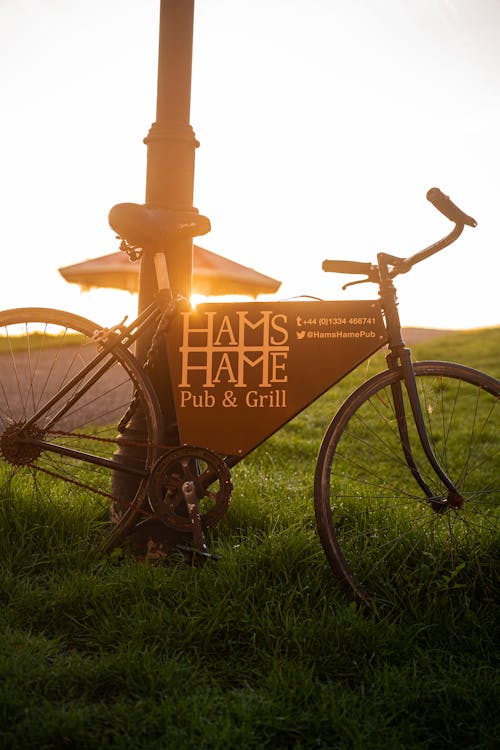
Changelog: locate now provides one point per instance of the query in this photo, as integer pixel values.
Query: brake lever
(398, 266)
(353, 283)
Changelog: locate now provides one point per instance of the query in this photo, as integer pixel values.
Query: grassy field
(257, 650)
(18, 343)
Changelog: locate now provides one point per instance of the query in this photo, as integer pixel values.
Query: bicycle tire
(41, 350)
(382, 537)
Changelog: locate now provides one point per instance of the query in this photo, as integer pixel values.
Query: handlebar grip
(441, 201)
(346, 266)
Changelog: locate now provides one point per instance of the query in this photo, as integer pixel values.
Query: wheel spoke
(41, 353)
(374, 522)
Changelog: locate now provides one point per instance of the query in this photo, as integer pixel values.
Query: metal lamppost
(171, 145)
(170, 171)
(171, 141)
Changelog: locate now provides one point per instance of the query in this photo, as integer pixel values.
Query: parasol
(213, 275)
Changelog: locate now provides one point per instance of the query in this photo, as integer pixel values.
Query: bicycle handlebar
(346, 266)
(401, 265)
(442, 202)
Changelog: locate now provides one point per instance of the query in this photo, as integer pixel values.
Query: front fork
(453, 498)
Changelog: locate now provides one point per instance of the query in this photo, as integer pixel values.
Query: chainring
(212, 482)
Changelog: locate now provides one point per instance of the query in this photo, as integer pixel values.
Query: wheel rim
(381, 534)
(40, 352)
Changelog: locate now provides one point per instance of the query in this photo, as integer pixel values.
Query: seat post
(161, 268)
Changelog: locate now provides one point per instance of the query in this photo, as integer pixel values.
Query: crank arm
(192, 505)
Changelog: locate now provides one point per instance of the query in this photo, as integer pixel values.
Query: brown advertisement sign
(243, 370)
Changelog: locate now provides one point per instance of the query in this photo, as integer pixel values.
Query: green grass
(20, 343)
(257, 650)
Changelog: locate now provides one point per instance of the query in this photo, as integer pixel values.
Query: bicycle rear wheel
(382, 536)
(65, 455)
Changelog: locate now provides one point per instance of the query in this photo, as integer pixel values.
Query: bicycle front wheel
(59, 417)
(382, 535)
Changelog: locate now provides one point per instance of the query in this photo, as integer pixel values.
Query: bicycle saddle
(149, 227)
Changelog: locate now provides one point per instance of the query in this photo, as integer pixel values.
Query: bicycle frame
(258, 365)
(236, 373)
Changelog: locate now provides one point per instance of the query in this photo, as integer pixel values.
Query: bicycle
(407, 468)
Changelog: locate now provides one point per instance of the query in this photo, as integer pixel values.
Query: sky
(322, 125)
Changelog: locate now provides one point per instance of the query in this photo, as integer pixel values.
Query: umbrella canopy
(213, 275)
